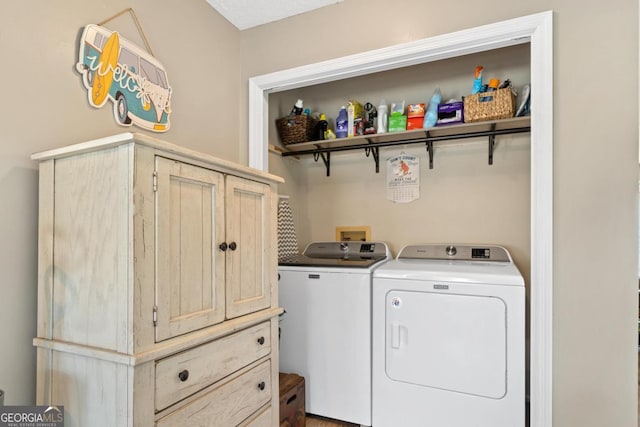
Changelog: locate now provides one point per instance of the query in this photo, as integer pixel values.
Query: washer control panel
(347, 249)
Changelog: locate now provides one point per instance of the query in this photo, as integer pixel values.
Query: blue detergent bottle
(342, 123)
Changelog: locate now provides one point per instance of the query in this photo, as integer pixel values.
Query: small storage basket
(296, 128)
(495, 105)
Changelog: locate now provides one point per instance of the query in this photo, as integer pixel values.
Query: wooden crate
(292, 411)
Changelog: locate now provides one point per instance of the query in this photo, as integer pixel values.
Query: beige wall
(595, 172)
(595, 166)
(45, 106)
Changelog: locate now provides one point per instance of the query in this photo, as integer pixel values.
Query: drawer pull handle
(183, 375)
(233, 246)
(223, 246)
(261, 385)
(261, 340)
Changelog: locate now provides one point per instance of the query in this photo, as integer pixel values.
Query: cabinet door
(189, 271)
(249, 220)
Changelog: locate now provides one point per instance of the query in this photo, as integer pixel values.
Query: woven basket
(495, 105)
(297, 128)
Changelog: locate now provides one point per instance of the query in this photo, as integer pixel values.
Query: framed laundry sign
(403, 178)
(117, 70)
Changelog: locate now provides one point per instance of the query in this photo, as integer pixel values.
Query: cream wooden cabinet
(157, 286)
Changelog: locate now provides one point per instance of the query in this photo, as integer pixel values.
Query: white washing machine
(449, 338)
(325, 334)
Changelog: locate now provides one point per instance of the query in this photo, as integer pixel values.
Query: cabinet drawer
(261, 419)
(228, 404)
(186, 373)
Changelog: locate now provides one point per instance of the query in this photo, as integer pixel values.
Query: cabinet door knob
(183, 375)
(261, 340)
(223, 246)
(233, 246)
(261, 385)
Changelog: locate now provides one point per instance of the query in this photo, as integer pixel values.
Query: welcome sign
(116, 70)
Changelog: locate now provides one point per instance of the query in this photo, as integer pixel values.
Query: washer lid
(340, 254)
(347, 262)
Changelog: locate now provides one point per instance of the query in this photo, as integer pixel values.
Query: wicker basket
(297, 128)
(499, 104)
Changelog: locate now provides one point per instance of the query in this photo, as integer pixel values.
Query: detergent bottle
(383, 116)
(321, 128)
(297, 108)
(477, 80)
(342, 123)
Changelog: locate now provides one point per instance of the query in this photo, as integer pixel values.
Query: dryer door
(446, 341)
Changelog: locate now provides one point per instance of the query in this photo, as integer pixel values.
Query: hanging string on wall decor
(403, 178)
(117, 70)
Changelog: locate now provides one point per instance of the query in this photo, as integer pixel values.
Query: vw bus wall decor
(115, 69)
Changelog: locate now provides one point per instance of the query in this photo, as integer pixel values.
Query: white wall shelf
(371, 144)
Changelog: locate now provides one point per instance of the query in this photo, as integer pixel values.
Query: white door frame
(535, 29)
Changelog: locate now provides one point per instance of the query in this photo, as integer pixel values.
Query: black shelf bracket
(326, 159)
(368, 151)
(430, 151)
(492, 143)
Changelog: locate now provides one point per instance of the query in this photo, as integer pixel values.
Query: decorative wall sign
(117, 70)
(403, 178)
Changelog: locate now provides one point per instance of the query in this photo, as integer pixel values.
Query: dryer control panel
(456, 252)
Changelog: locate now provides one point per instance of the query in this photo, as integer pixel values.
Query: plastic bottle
(477, 81)
(342, 123)
(350, 120)
(297, 108)
(322, 127)
(493, 85)
(431, 116)
(383, 117)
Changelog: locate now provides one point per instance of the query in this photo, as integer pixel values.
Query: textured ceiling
(251, 13)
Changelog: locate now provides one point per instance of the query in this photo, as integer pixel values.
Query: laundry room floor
(315, 421)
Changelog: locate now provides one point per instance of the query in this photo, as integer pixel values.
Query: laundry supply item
(297, 108)
(397, 119)
(477, 80)
(383, 117)
(370, 113)
(321, 128)
(415, 116)
(355, 113)
(451, 112)
(505, 83)
(431, 117)
(342, 123)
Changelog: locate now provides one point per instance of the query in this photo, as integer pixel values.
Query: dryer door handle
(396, 331)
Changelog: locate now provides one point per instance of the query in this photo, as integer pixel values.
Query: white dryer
(449, 338)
